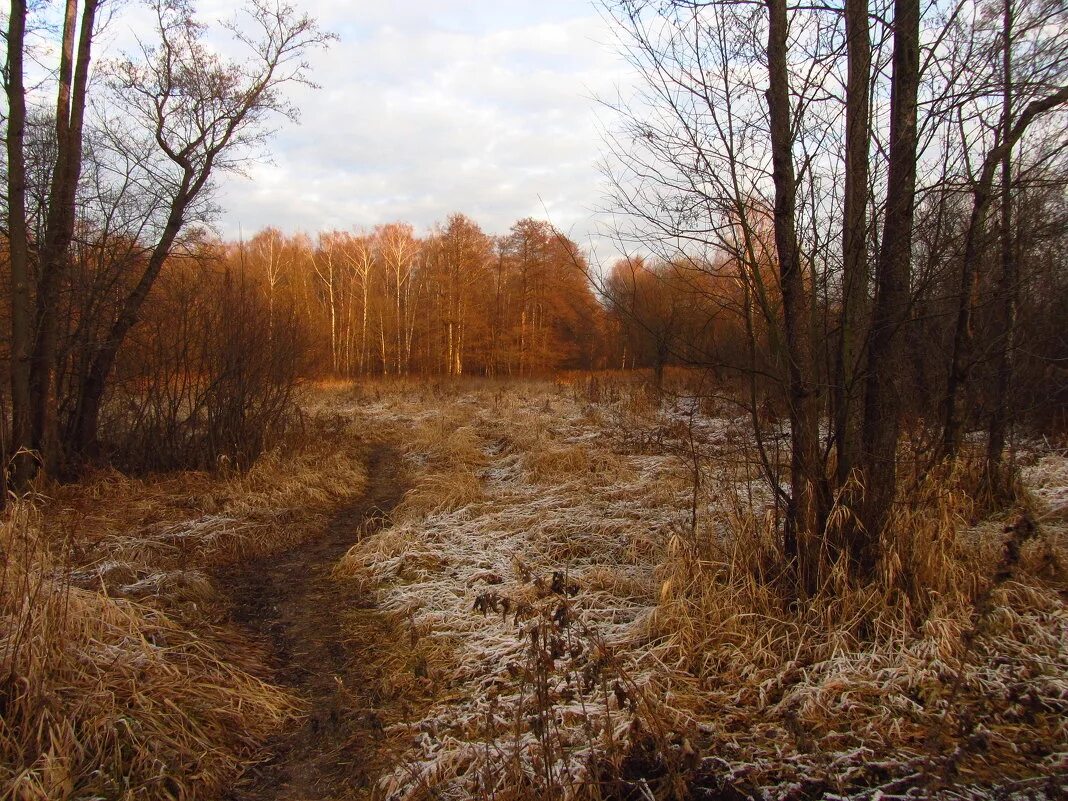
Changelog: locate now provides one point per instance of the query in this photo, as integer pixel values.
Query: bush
(209, 378)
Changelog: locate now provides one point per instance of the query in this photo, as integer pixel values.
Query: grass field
(576, 596)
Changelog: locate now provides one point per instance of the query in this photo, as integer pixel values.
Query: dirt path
(291, 602)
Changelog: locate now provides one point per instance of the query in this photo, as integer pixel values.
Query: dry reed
(107, 698)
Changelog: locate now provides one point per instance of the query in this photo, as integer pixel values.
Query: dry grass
(108, 698)
(153, 538)
(598, 645)
(526, 589)
(949, 670)
(559, 614)
(114, 681)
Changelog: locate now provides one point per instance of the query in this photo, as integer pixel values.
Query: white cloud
(427, 108)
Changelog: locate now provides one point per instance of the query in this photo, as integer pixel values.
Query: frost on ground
(1047, 479)
(153, 540)
(532, 557)
(589, 619)
(117, 679)
(555, 609)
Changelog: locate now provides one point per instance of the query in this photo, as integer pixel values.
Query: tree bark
(882, 402)
(804, 516)
(18, 248)
(1007, 296)
(855, 269)
(59, 223)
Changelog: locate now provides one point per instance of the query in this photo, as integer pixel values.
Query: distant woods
(453, 302)
(210, 368)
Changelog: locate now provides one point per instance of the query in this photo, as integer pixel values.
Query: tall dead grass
(107, 698)
(949, 669)
(608, 630)
(155, 538)
(575, 617)
(115, 681)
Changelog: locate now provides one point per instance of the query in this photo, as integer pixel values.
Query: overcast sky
(427, 107)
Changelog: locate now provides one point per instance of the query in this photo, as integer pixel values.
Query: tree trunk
(399, 321)
(854, 314)
(982, 197)
(1007, 296)
(18, 252)
(83, 435)
(957, 379)
(59, 223)
(333, 322)
(804, 515)
(882, 402)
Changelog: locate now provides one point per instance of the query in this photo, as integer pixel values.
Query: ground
(291, 602)
(518, 591)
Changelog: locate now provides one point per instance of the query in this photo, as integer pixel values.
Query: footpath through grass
(517, 591)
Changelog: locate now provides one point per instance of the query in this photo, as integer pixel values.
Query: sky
(428, 107)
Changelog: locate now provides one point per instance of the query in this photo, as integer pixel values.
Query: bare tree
(804, 522)
(1040, 67)
(693, 175)
(18, 246)
(59, 219)
(34, 337)
(882, 400)
(853, 318)
(203, 113)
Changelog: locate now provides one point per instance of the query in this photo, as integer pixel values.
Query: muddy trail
(290, 602)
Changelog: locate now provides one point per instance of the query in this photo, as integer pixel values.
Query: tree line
(454, 302)
(229, 329)
(840, 211)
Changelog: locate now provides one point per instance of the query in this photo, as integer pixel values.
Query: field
(524, 590)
